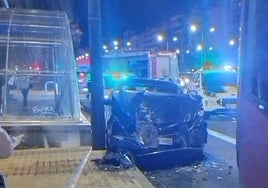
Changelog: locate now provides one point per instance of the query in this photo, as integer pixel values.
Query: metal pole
(203, 50)
(97, 93)
(167, 46)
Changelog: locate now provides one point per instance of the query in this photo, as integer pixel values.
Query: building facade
(215, 39)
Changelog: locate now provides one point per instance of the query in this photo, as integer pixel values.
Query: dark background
(118, 16)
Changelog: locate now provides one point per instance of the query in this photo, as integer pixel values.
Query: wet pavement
(217, 169)
(209, 173)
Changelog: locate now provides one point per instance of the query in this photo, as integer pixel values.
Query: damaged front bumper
(156, 130)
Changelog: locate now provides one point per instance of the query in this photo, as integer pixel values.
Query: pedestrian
(2, 83)
(23, 83)
(11, 82)
(10, 85)
(88, 85)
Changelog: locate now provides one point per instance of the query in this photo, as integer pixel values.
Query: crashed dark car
(155, 124)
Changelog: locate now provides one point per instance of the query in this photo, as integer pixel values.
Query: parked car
(218, 88)
(155, 124)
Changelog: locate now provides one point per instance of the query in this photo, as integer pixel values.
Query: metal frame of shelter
(37, 44)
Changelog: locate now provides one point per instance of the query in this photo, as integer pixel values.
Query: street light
(128, 43)
(104, 47)
(115, 42)
(202, 46)
(199, 47)
(175, 39)
(193, 28)
(231, 42)
(128, 47)
(160, 38)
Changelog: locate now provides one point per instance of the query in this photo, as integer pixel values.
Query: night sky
(119, 16)
(136, 15)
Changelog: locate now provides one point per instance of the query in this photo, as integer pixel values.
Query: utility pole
(167, 46)
(97, 93)
(203, 50)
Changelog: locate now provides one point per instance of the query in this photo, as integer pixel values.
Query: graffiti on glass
(44, 110)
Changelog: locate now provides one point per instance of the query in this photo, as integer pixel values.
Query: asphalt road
(217, 169)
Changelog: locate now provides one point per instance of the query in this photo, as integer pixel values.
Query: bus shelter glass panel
(37, 72)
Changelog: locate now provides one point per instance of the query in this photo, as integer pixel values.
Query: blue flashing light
(227, 67)
(124, 77)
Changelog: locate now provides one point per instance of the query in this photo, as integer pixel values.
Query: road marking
(222, 136)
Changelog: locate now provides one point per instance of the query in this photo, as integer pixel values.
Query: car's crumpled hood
(165, 107)
(166, 112)
(146, 124)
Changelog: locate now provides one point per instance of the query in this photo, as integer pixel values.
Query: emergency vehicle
(218, 88)
(143, 64)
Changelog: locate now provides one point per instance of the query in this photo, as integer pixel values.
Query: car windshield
(218, 81)
(149, 85)
(111, 80)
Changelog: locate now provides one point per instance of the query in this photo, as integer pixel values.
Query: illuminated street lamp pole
(201, 46)
(203, 50)
(160, 38)
(193, 29)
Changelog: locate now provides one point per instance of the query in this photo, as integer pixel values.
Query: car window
(218, 81)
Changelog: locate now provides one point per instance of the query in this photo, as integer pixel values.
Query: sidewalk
(66, 167)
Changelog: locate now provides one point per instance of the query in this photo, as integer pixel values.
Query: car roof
(218, 71)
(150, 83)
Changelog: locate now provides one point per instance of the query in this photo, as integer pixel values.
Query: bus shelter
(37, 46)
